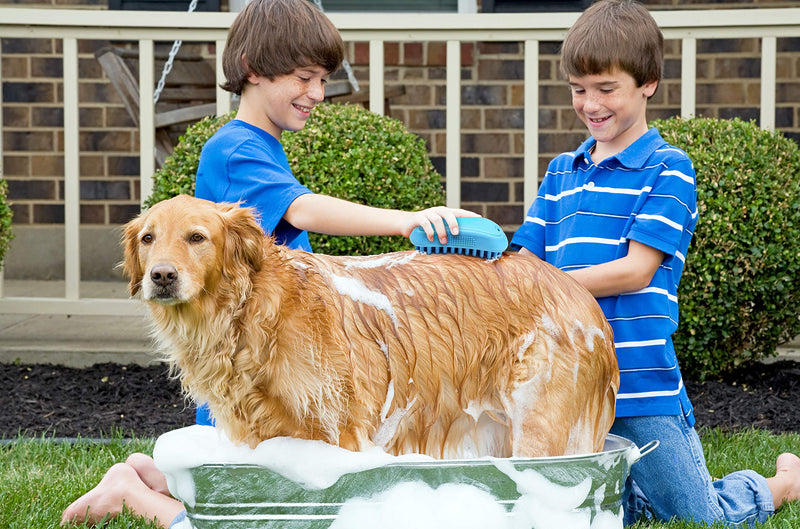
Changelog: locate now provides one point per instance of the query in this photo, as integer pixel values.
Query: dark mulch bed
(765, 396)
(66, 402)
(102, 399)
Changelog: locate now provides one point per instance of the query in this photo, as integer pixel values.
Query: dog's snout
(163, 274)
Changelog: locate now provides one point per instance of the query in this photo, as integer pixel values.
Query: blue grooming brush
(477, 236)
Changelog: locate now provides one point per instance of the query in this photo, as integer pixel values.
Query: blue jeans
(178, 519)
(672, 481)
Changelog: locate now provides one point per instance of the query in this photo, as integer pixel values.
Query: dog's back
(467, 357)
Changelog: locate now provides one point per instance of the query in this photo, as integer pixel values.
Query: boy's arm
(333, 216)
(626, 274)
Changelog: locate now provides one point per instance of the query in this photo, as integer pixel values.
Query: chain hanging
(176, 46)
(168, 65)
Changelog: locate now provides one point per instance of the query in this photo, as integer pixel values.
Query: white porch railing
(146, 28)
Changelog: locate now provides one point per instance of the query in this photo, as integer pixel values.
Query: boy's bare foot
(785, 486)
(103, 501)
(124, 486)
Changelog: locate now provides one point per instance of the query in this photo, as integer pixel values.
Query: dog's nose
(163, 274)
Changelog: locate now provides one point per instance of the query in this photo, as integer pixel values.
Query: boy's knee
(120, 479)
(139, 461)
(148, 473)
(121, 473)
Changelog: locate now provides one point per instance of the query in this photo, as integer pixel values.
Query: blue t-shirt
(243, 163)
(585, 214)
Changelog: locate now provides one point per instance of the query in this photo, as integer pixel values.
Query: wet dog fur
(445, 355)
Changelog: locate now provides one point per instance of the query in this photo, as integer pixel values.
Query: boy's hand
(432, 221)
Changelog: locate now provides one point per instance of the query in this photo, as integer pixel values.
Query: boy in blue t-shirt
(280, 80)
(278, 56)
(618, 215)
(279, 62)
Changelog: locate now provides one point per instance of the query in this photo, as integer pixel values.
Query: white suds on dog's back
(378, 261)
(387, 402)
(550, 326)
(384, 350)
(388, 427)
(527, 342)
(590, 333)
(358, 291)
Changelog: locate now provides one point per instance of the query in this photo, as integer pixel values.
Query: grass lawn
(39, 479)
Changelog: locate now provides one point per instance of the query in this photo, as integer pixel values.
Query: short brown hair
(614, 34)
(273, 37)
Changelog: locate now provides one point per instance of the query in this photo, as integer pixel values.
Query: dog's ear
(131, 267)
(244, 237)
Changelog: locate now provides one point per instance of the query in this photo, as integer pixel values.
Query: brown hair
(614, 34)
(273, 37)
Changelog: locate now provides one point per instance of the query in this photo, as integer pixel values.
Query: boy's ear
(246, 68)
(252, 77)
(650, 88)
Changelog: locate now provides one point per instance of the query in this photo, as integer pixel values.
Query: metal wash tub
(237, 493)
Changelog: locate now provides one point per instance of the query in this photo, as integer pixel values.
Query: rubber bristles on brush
(477, 236)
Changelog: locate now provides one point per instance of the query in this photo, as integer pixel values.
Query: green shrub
(5, 220)
(739, 296)
(344, 151)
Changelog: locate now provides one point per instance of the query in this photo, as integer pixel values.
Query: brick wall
(492, 119)
(33, 139)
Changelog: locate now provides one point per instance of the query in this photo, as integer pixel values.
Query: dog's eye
(197, 237)
(147, 238)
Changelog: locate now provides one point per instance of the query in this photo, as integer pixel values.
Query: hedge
(5, 220)
(739, 298)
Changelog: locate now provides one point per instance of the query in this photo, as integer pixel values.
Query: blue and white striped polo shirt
(585, 214)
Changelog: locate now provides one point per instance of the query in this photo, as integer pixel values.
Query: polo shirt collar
(582, 153)
(634, 157)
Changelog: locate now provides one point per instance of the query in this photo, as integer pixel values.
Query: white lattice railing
(530, 28)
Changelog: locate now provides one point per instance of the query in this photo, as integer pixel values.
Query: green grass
(40, 478)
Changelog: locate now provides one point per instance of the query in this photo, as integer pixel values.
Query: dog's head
(186, 247)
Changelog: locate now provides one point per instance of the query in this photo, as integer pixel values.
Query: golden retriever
(445, 355)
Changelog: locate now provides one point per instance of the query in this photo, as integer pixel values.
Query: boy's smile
(612, 107)
(303, 109)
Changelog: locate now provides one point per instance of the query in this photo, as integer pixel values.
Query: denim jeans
(179, 521)
(672, 481)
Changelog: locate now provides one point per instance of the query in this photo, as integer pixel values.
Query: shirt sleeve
(263, 183)
(669, 214)
(240, 166)
(532, 234)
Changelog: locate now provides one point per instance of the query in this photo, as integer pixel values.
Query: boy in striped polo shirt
(618, 215)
